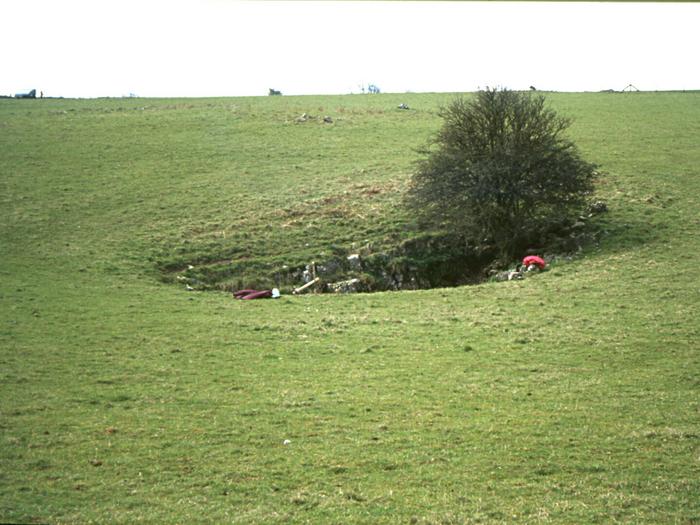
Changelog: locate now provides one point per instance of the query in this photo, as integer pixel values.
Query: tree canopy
(500, 171)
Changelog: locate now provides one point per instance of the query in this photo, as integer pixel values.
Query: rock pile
(349, 286)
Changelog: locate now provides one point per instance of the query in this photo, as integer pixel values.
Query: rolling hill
(569, 397)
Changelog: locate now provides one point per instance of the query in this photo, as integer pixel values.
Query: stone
(349, 286)
(355, 261)
(598, 207)
(508, 275)
(308, 274)
(502, 276)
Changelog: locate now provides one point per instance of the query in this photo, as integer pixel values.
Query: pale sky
(165, 48)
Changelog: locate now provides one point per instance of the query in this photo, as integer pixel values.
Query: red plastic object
(534, 259)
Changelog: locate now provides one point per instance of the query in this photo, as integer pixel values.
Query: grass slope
(570, 397)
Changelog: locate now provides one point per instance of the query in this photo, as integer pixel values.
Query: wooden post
(307, 285)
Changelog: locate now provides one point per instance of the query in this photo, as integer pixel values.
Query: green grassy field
(570, 397)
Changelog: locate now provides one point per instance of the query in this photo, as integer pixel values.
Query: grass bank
(570, 397)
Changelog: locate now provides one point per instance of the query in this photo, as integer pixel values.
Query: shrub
(500, 171)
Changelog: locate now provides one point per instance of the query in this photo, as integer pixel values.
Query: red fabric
(252, 294)
(241, 293)
(534, 259)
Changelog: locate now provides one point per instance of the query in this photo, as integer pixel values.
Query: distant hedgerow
(500, 171)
